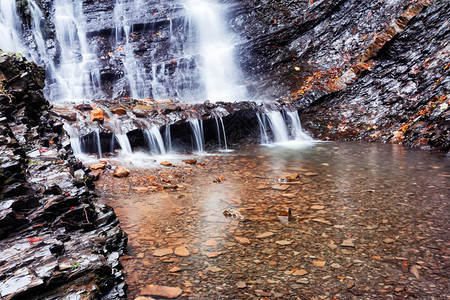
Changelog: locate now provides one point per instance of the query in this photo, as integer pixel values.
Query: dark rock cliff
(55, 240)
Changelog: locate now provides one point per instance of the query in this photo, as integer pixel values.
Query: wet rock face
(55, 240)
(404, 98)
(361, 55)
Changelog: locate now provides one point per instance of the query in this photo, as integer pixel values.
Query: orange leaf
(34, 240)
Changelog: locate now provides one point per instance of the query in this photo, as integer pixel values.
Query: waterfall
(220, 125)
(98, 142)
(10, 30)
(262, 128)
(278, 126)
(134, 69)
(167, 139)
(220, 75)
(75, 141)
(197, 130)
(124, 142)
(218, 133)
(297, 131)
(155, 141)
(77, 76)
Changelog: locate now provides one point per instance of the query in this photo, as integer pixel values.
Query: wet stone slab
(371, 223)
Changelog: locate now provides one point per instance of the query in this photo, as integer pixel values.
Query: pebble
(283, 243)
(319, 263)
(302, 281)
(162, 252)
(241, 285)
(317, 207)
(348, 243)
(243, 240)
(265, 235)
(161, 291)
(300, 272)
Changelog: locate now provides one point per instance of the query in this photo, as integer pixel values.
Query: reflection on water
(369, 220)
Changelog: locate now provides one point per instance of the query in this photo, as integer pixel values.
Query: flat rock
(213, 254)
(182, 251)
(265, 235)
(161, 291)
(348, 243)
(162, 252)
(280, 187)
(302, 281)
(388, 241)
(319, 263)
(214, 269)
(97, 166)
(283, 243)
(211, 243)
(242, 240)
(321, 220)
(317, 207)
(166, 164)
(175, 269)
(300, 272)
(241, 285)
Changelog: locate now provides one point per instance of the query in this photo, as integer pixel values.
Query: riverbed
(319, 221)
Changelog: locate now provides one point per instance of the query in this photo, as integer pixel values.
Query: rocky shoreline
(56, 240)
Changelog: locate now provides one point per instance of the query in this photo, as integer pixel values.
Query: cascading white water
(220, 75)
(218, 133)
(155, 141)
(296, 127)
(134, 70)
(219, 126)
(124, 142)
(10, 31)
(75, 141)
(262, 128)
(278, 126)
(197, 130)
(224, 134)
(77, 76)
(98, 142)
(167, 139)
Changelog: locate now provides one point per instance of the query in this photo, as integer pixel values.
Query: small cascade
(10, 30)
(75, 141)
(98, 142)
(39, 52)
(218, 133)
(155, 141)
(262, 121)
(167, 138)
(219, 126)
(197, 130)
(218, 70)
(296, 127)
(124, 142)
(278, 126)
(134, 69)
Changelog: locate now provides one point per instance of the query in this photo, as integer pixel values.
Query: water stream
(360, 213)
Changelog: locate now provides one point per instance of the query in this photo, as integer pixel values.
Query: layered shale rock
(55, 239)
